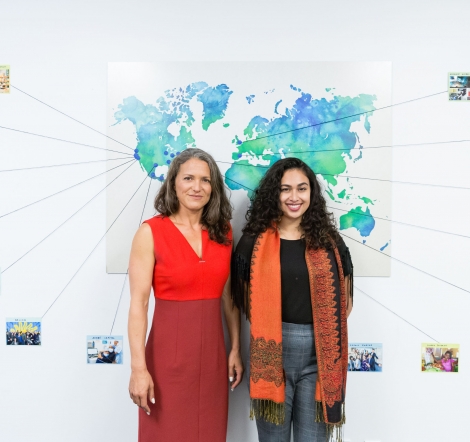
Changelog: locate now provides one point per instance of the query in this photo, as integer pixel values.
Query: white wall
(58, 52)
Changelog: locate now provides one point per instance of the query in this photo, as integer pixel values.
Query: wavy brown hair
(317, 223)
(216, 214)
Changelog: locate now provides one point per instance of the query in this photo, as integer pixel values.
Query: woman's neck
(187, 217)
(290, 229)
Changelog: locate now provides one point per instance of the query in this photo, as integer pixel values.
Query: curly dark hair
(317, 223)
(216, 214)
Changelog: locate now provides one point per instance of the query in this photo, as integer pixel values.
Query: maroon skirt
(186, 358)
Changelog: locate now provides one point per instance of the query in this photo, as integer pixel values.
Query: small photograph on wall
(104, 349)
(439, 358)
(23, 331)
(365, 357)
(4, 79)
(459, 86)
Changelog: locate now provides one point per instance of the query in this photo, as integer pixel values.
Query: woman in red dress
(180, 377)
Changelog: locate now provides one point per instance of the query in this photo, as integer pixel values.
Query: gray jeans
(300, 365)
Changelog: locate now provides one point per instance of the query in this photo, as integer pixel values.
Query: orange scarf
(267, 382)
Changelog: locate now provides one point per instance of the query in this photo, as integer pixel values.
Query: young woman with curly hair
(292, 276)
(180, 378)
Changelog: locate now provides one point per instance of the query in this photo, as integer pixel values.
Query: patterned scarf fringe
(268, 410)
(334, 432)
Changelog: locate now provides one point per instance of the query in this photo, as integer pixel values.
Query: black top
(295, 285)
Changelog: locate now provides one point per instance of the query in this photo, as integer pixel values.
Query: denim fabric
(300, 366)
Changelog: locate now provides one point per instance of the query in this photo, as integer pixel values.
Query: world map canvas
(332, 115)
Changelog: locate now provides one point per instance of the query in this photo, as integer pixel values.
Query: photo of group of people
(459, 86)
(365, 357)
(4, 79)
(104, 349)
(25, 331)
(440, 358)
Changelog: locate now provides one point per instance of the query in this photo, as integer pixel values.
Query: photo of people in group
(440, 358)
(365, 357)
(104, 349)
(24, 331)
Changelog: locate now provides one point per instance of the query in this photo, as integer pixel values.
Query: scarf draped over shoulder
(256, 290)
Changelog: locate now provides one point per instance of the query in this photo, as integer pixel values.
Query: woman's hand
(235, 368)
(141, 388)
(232, 318)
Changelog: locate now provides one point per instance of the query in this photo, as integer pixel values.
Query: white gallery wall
(58, 53)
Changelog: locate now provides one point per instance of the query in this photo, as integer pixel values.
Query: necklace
(286, 234)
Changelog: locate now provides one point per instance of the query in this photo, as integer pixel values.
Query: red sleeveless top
(179, 274)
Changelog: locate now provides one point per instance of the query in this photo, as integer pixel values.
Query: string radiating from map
(66, 220)
(94, 248)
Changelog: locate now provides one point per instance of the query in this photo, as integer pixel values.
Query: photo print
(459, 86)
(4, 79)
(440, 358)
(365, 357)
(23, 331)
(104, 349)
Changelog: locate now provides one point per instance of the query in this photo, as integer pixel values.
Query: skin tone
(193, 190)
(295, 200)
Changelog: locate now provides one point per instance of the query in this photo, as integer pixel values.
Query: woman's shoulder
(157, 219)
(340, 243)
(156, 222)
(345, 256)
(245, 245)
(143, 239)
(155, 226)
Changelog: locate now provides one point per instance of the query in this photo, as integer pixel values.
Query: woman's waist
(179, 296)
(290, 328)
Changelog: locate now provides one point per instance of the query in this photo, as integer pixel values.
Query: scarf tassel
(334, 432)
(273, 412)
(268, 410)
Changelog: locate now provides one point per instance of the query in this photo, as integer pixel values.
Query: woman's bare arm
(141, 265)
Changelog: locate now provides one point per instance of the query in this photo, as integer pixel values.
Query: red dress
(185, 351)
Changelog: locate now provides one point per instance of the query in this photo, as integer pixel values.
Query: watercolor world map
(166, 127)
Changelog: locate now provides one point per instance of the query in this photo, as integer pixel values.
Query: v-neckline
(200, 258)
